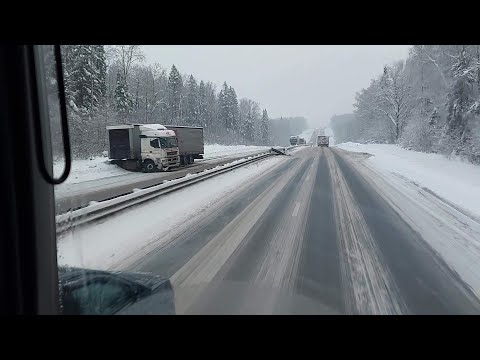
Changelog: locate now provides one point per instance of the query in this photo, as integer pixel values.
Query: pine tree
(174, 90)
(233, 110)
(69, 61)
(101, 65)
(85, 76)
(191, 111)
(212, 118)
(122, 100)
(224, 107)
(248, 132)
(264, 128)
(202, 105)
(136, 101)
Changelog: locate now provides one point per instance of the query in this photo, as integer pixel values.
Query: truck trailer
(190, 143)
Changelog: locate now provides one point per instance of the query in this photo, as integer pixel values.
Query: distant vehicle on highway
(323, 140)
(96, 292)
(301, 141)
(294, 140)
(152, 147)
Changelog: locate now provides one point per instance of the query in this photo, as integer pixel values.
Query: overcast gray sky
(314, 81)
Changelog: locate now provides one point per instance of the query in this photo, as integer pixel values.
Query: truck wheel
(149, 166)
(190, 159)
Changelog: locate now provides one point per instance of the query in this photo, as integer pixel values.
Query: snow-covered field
(99, 168)
(86, 170)
(456, 181)
(105, 244)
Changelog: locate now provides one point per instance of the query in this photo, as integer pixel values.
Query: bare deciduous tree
(127, 56)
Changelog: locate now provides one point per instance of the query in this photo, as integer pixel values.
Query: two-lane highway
(313, 235)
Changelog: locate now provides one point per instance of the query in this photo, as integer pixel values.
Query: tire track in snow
(197, 274)
(369, 287)
(452, 235)
(279, 266)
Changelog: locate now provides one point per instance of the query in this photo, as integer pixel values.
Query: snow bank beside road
(215, 151)
(455, 181)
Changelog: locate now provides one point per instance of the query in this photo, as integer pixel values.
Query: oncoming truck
(322, 140)
(294, 140)
(153, 147)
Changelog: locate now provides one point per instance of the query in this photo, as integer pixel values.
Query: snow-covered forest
(428, 103)
(107, 85)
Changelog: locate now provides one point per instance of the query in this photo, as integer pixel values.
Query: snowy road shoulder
(450, 232)
(453, 180)
(103, 244)
(97, 168)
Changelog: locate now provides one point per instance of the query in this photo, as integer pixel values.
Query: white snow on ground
(86, 170)
(214, 151)
(99, 168)
(454, 180)
(108, 242)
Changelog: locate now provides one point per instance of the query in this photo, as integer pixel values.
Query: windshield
(308, 179)
(168, 142)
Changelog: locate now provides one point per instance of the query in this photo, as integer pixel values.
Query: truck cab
(159, 150)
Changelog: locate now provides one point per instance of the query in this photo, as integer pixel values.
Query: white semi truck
(153, 147)
(323, 140)
(294, 140)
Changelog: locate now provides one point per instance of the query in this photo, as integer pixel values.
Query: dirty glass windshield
(168, 142)
(309, 179)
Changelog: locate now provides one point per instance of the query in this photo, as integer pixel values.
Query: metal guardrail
(104, 208)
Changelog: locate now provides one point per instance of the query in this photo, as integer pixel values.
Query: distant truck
(152, 147)
(294, 140)
(322, 140)
(301, 141)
